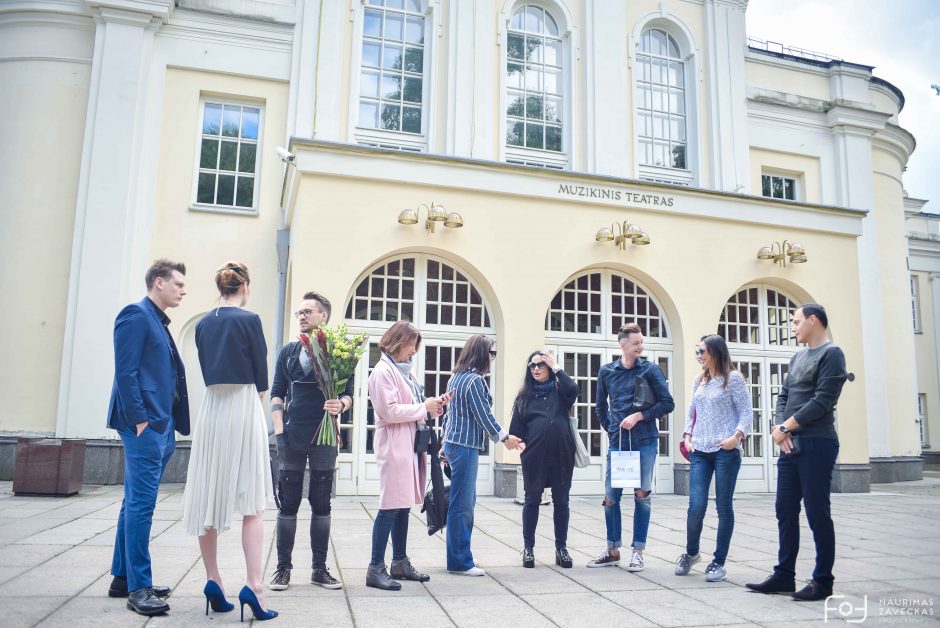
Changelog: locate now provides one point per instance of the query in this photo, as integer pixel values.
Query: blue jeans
(145, 458)
(392, 522)
(724, 464)
(641, 505)
(806, 476)
(463, 498)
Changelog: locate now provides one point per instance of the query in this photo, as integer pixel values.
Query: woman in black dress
(540, 419)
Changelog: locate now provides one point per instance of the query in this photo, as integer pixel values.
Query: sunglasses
(536, 365)
(699, 351)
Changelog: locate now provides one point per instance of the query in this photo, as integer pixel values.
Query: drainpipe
(283, 249)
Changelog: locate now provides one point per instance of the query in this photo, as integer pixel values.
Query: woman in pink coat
(400, 406)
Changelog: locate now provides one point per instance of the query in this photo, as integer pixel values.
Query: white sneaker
(636, 562)
(473, 571)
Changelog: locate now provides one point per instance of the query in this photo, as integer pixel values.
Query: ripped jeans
(641, 505)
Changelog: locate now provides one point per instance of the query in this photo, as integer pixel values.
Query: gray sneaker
(685, 562)
(714, 572)
(636, 562)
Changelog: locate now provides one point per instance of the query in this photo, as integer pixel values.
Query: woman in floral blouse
(718, 421)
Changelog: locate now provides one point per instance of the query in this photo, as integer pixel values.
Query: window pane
(553, 109)
(514, 130)
(678, 156)
(514, 75)
(230, 120)
(533, 19)
(392, 56)
(250, 123)
(550, 26)
(413, 5)
(533, 79)
(246, 157)
(533, 49)
(658, 42)
(394, 26)
(552, 81)
(368, 114)
(391, 86)
(644, 124)
(369, 84)
(646, 152)
(645, 71)
(226, 192)
(552, 52)
(677, 100)
(370, 53)
(517, 18)
(413, 89)
(658, 71)
(777, 184)
(788, 189)
(765, 185)
(245, 194)
(206, 190)
(676, 74)
(533, 136)
(515, 47)
(673, 50)
(515, 107)
(372, 25)
(414, 59)
(533, 107)
(209, 156)
(553, 138)
(677, 129)
(411, 120)
(391, 115)
(227, 156)
(414, 30)
(659, 125)
(212, 119)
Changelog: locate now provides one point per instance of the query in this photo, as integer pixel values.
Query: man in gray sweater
(805, 431)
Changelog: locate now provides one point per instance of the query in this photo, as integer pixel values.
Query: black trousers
(560, 480)
(292, 466)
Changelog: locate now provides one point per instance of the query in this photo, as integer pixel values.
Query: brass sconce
(778, 253)
(620, 234)
(435, 213)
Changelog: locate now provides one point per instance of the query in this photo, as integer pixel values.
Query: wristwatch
(783, 429)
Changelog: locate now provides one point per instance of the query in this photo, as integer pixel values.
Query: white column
(111, 239)
(303, 73)
(852, 143)
(485, 84)
(329, 93)
(606, 122)
(461, 38)
(726, 43)
(935, 296)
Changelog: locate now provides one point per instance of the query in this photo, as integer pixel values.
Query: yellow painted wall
(204, 241)
(778, 79)
(519, 251)
(803, 167)
(925, 348)
(39, 172)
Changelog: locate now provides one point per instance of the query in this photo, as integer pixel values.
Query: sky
(900, 38)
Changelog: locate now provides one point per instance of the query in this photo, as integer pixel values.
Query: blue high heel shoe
(216, 598)
(247, 596)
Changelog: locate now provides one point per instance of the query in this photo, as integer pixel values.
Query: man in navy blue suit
(148, 402)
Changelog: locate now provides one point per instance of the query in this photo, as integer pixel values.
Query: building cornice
(896, 140)
(317, 157)
(147, 9)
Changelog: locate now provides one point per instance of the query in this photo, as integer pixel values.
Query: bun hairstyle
(230, 277)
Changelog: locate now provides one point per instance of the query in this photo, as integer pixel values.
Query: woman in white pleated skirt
(229, 471)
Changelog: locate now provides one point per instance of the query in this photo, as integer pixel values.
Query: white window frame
(205, 99)
(691, 175)
(785, 176)
(568, 33)
(764, 348)
(922, 420)
(381, 137)
(915, 304)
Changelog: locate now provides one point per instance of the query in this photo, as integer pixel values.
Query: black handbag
(437, 499)
(423, 439)
(643, 395)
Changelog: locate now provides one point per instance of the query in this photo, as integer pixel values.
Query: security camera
(286, 156)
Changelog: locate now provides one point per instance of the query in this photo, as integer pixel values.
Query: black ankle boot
(403, 570)
(378, 578)
(528, 558)
(563, 558)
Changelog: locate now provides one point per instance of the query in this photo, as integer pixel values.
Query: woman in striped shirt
(468, 421)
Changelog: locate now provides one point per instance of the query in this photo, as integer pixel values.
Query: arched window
(662, 107)
(581, 324)
(534, 88)
(392, 71)
(755, 322)
(443, 302)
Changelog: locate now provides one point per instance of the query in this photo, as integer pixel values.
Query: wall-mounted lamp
(620, 234)
(778, 253)
(435, 213)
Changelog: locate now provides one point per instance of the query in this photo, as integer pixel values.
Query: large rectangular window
(228, 156)
(778, 186)
(922, 420)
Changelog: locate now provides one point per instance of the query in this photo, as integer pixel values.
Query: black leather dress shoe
(144, 602)
(528, 558)
(119, 588)
(812, 592)
(563, 558)
(773, 584)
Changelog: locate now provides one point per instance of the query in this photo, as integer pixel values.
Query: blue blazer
(143, 373)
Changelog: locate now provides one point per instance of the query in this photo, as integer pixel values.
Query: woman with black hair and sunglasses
(540, 418)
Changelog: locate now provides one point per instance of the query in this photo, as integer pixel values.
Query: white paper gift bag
(625, 469)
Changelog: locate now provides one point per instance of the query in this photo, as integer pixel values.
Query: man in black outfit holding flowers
(297, 408)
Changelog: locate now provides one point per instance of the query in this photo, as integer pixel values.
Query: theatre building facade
(539, 171)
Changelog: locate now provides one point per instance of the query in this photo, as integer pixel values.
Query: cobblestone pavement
(55, 554)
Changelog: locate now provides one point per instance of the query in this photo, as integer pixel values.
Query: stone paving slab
(55, 555)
